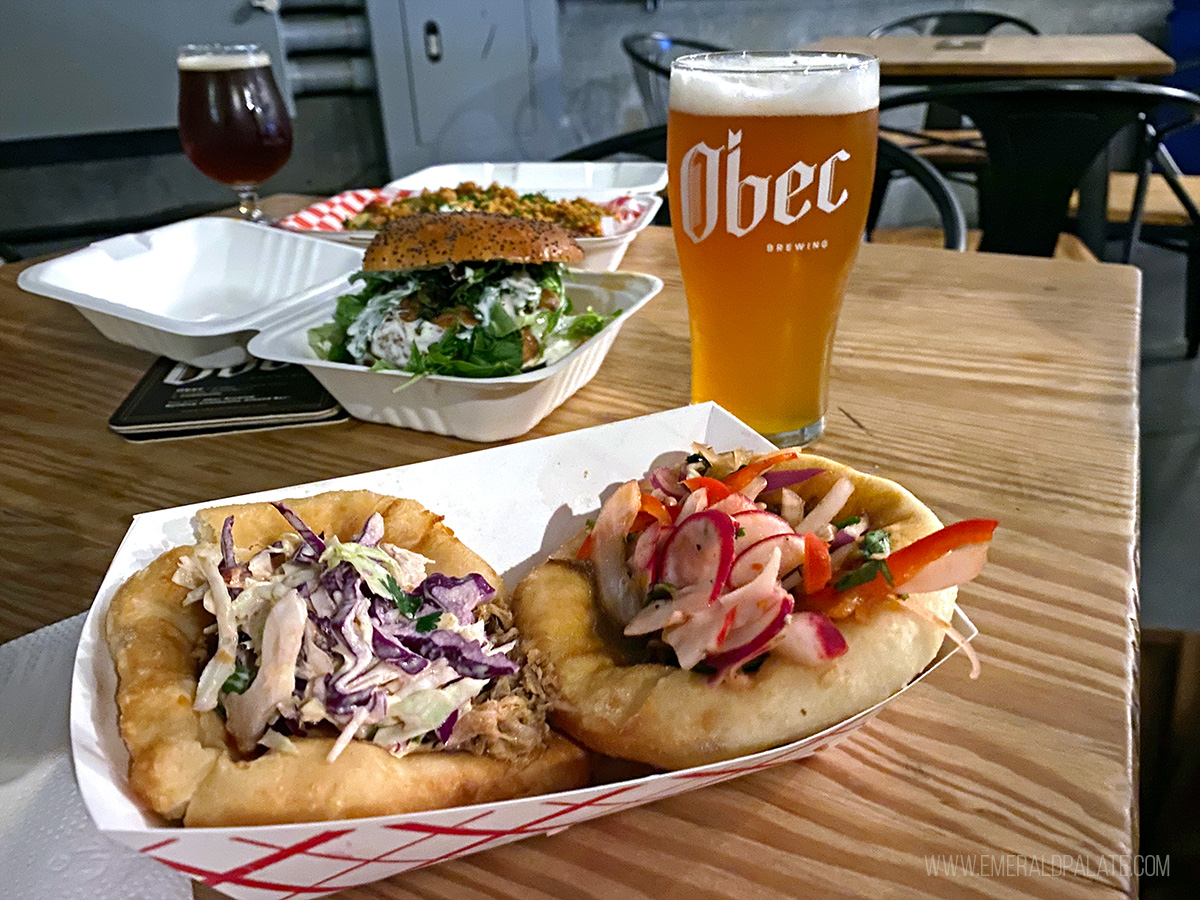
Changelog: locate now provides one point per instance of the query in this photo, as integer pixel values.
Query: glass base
(801, 437)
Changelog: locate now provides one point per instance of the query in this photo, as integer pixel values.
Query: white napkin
(48, 844)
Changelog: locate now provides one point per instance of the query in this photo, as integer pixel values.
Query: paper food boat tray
(557, 482)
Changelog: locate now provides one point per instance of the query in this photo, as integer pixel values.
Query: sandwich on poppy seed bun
(470, 294)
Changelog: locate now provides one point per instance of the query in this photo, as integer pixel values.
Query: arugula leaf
(479, 355)
(876, 543)
(587, 324)
(865, 573)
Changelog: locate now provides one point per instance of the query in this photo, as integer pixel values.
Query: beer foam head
(222, 58)
(774, 84)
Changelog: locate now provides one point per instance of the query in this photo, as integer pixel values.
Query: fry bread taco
(732, 603)
(330, 657)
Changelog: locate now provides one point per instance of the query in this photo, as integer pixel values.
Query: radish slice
(696, 501)
(958, 566)
(619, 598)
(699, 553)
(749, 564)
(666, 481)
(643, 558)
(695, 638)
(729, 661)
(734, 504)
(811, 639)
(756, 524)
(824, 511)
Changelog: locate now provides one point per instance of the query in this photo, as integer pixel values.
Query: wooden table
(990, 386)
(923, 59)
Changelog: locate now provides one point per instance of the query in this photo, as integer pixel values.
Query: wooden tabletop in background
(989, 385)
(927, 58)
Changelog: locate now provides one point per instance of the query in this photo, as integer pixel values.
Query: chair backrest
(1041, 137)
(893, 159)
(954, 22)
(652, 143)
(651, 55)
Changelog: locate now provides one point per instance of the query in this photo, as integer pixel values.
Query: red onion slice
(811, 639)
(729, 661)
(781, 478)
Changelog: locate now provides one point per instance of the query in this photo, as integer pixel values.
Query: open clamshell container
(477, 409)
(557, 483)
(194, 291)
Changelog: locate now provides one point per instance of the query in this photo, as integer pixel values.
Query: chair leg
(883, 178)
(1191, 309)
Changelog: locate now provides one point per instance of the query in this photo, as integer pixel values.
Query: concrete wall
(602, 92)
(339, 140)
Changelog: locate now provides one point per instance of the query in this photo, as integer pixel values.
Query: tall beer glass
(772, 160)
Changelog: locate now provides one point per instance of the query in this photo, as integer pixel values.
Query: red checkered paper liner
(331, 214)
(293, 861)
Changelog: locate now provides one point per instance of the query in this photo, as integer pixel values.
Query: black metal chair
(954, 22)
(651, 55)
(1041, 138)
(891, 160)
(942, 140)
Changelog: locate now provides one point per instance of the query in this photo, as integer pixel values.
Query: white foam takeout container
(596, 181)
(477, 409)
(556, 482)
(193, 291)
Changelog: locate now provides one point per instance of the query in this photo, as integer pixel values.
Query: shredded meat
(508, 719)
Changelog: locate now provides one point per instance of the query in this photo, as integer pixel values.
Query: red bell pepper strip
(652, 510)
(817, 567)
(716, 489)
(904, 564)
(735, 481)
(585, 549)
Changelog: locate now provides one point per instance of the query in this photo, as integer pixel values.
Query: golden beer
(771, 159)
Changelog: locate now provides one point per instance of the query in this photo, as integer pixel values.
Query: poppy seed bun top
(432, 239)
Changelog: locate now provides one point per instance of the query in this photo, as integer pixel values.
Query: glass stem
(248, 207)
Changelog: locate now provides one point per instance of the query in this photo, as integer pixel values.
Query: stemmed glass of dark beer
(233, 123)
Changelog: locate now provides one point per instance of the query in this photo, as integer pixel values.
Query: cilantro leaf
(407, 603)
(864, 574)
(425, 624)
(876, 543)
(847, 522)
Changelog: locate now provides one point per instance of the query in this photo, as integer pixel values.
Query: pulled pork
(508, 719)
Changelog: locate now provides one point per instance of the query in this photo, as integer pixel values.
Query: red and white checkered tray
(542, 477)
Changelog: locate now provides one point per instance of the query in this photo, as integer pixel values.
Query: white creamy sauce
(518, 296)
(394, 339)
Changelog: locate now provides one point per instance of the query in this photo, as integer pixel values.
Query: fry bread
(612, 701)
(180, 763)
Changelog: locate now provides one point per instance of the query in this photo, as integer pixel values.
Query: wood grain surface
(1008, 55)
(991, 386)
